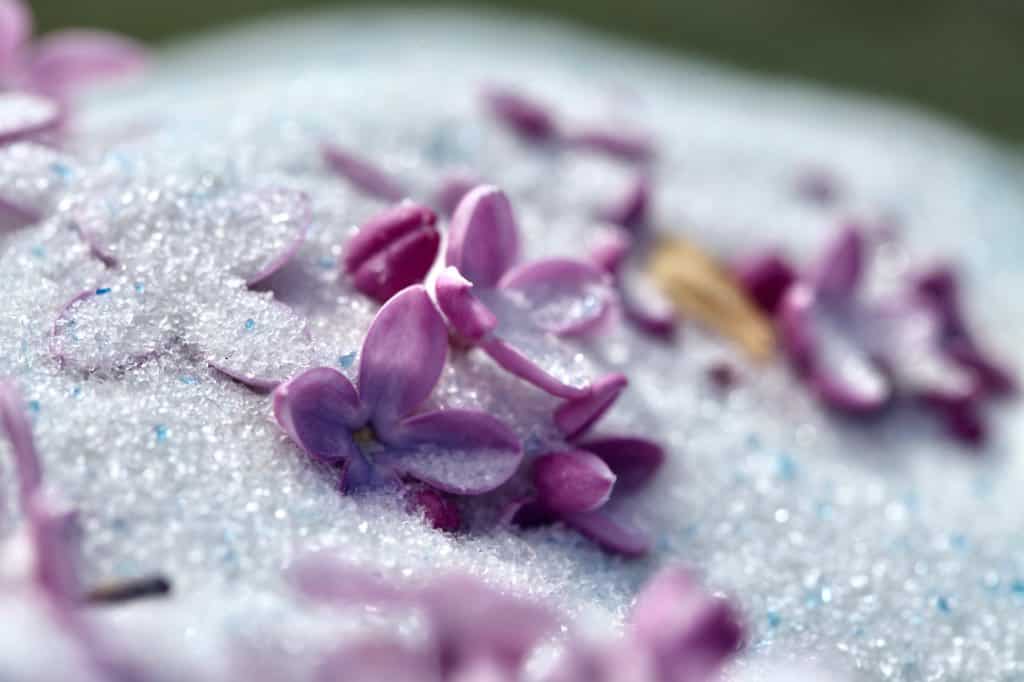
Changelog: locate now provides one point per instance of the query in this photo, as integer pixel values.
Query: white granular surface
(885, 551)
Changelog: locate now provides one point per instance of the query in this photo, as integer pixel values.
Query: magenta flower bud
(393, 250)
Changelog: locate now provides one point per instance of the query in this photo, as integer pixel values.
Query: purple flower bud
(573, 481)
(765, 277)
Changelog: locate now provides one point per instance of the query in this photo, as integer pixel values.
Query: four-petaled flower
(374, 434)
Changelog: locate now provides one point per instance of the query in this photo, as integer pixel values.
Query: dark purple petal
(14, 419)
(527, 512)
(611, 250)
(960, 416)
(451, 191)
(65, 60)
(609, 533)
(572, 481)
(378, 660)
(483, 239)
(723, 375)
(690, 632)
(23, 116)
(765, 277)
(392, 250)
(439, 509)
(992, 378)
(634, 461)
(838, 273)
(318, 410)
(458, 451)
(526, 117)
(402, 357)
(576, 415)
(939, 289)
(514, 362)
(363, 175)
(564, 296)
(470, 318)
(15, 32)
(621, 144)
(630, 210)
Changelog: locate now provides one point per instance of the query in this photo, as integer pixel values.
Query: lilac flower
(560, 296)
(373, 433)
(582, 487)
(393, 250)
(362, 174)
(60, 62)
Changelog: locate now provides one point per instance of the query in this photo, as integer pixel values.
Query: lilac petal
(839, 271)
(610, 534)
(621, 144)
(645, 307)
(378, 660)
(363, 175)
(765, 277)
(452, 190)
(514, 362)
(15, 32)
(565, 297)
(575, 416)
(471, 319)
(630, 210)
(961, 417)
(23, 115)
(634, 461)
(483, 239)
(326, 579)
(318, 410)
(527, 512)
(992, 378)
(611, 250)
(402, 357)
(939, 289)
(65, 60)
(572, 481)
(526, 117)
(19, 435)
(440, 510)
(458, 451)
(393, 250)
(90, 223)
(50, 528)
(277, 216)
(690, 633)
(257, 384)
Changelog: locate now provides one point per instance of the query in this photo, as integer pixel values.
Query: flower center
(365, 438)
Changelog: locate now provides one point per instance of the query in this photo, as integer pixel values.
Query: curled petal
(634, 461)
(393, 250)
(471, 319)
(15, 32)
(572, 481)
(611, 250)
(839, 271)
(23, 115)
(458, 451)
(65, 60)
(402, 356)
(690, 632)
(451, 191)
(575, 416)
(439, 509)
(621, 144)
(610, 534)
(483, 239)
(19, 435)
(564, 296)
(514, 362)
(646, 308)
(318, 410)
(630, 210)
(256, 383)
(766, 278)
(526, 117)
(363, 175)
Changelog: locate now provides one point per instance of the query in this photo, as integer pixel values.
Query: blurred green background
(961, 57)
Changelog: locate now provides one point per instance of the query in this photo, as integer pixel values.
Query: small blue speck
(139, 287)
(326, 262)
(347, 359)
(753, 441)
(250, 324)
(958, 541)
(102, 290)
(161, 433)
(33, 406)
(774, 619)
(787, 468)
(825, 511)
(76, 391)
(188, 379)
(61, 170)
(1017, 586)
(943, 605)
(38, 251)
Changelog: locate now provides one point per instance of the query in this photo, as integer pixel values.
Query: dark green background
(961, 57)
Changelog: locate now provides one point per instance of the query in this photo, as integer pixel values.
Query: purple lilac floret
(483, 275)
(676, 631)
(392, 250)
(373, 433)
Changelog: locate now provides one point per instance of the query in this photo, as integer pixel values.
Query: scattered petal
(621, 144)
(838, 274)
(576, 415)
(483, 239)
(318, 409)
(634, 461)
(526, 117)
(610, 534)
(15, 32)
(65, 60)
(23, 116)
(470, 318)
(362, 174)
(565, 297)
(572, 481)
(630, 211)
(278, 220)
(611, 250)
(378, 661)
(19, 434)
(324, 578)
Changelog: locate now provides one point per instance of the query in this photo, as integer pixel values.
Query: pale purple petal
(690, 632)
(765, 278)
(324, 578)
(564, 296)
(50, 527)
(611, 250)
(65, 60)
(514, 362)
(575, 416)
(378, 660)
(524, 116)
(318, 410)
(451, 191)
(634, 461)
(15, 33)
(362, 174)
(630, 210)
(402, 357)
(14, 419)
(258, 384)
(90, 221)
(838, 272)
(470, 318)
(392, 250)
(458, 451)
(483, 238)
(14, 217)
(24, 115)
(572, 481)
(439, 509)
(609, 533)
(622, 144)
(277, 216)
(645, 307)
